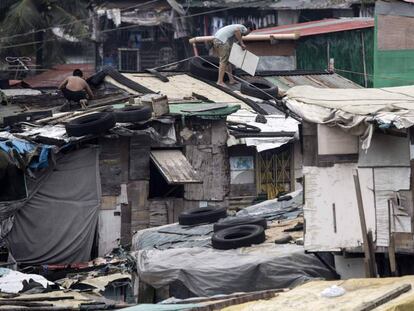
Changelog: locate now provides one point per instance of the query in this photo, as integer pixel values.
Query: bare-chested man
(75, 88)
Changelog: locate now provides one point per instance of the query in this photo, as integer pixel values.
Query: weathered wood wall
(125, 176)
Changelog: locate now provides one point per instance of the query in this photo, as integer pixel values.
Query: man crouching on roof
(222, 42)
(76, 89)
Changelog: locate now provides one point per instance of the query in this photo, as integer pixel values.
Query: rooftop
(320, 27)
(53, 77)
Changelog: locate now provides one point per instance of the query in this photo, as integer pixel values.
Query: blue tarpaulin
(37, 156)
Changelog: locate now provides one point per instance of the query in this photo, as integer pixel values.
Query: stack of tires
(230, 232)
(97, 123)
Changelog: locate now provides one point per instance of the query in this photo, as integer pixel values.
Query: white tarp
(12, 281)
(354, 110)
(275, 123)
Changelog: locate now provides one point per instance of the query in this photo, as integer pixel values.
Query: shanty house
(357, 154)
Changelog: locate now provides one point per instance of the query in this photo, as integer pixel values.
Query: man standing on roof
(222, 42)
(75, 88)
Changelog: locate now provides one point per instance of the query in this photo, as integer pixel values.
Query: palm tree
(26, 17)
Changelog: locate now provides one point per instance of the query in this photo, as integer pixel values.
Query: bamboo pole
(252, 37)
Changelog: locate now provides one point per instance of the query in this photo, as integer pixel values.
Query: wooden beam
(369, 268)
(252, 37)
(392, 294)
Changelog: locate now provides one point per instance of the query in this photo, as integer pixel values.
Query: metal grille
(129, 60)
(274, 172)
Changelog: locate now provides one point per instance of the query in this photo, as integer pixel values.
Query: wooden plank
(158, 210)
(110, 166)
(126, 234)
(391, 246)
(174, 166)
(177, 210)
(139, 157)
(138, 200)
(212, 165)
(390, 295)
(369, 268)
(108, 202)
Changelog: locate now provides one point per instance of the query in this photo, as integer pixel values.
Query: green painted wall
(392, 67)
(345, 47)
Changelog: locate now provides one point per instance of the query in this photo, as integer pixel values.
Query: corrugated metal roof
(279, 5)
(175, 167)
(335, 81)
(320, 27)
(53, 77)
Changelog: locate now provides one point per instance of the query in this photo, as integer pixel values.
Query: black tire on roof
(132, 114)
(201, 67)
(202, 215)
(259, 88)
(239, 236)
(238, 221)
(95, 123)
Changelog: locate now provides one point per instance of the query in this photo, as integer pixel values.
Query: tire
(132, 114)
(202, 69)
(242, 127)
(238, 221)
(95, 123)
(284, 239)
(255, 86)
(201, 215)
(239, 236)
(284, 198)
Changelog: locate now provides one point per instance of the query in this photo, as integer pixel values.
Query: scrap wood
(392, 294)
(49, 298)
(264, 295)
(24, 303)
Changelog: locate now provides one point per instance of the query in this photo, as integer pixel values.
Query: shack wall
(126, 205)
(331, 210)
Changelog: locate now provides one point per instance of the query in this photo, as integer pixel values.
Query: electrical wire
(74, 22)
(115, 29)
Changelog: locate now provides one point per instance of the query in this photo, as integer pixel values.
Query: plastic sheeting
(207, 272)
(275, 123)
(12, 281)
(34, 156)
(57, 224)
(354, 110)
(274, 209)
(176, 236)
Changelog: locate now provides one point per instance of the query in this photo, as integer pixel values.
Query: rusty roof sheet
(320, 27)
(53, 77)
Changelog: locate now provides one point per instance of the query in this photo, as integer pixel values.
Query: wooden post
(369, 267)
(391, 243)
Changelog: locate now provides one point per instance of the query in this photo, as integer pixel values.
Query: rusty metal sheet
(175, 167)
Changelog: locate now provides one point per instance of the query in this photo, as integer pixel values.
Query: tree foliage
(20, 21)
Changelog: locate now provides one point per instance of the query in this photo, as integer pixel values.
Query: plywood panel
(175, 167)
(139, 157)
(111, 166)
(333, 140)
(138, 200)
(387, 181)
(109, 230)
(159, 212)
(395, 32)
(386, 150)
(211, 163)
(335, 185)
